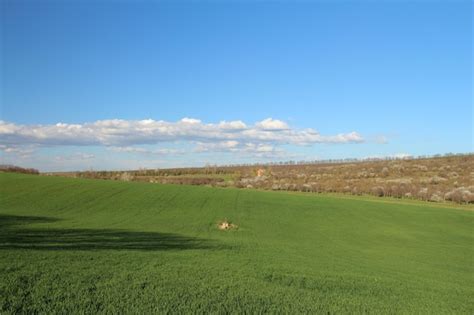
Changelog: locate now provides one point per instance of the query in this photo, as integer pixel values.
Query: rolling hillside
(436, 179)
(78, 245)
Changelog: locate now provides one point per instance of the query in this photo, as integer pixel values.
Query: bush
(435, 180)
(436, 198)
(460, 195)
(423, 193)
(378, 191)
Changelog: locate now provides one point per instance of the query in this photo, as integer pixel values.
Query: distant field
(86, 246)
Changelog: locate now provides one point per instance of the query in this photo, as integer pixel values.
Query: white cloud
(127, 135)
(187, 120)
(230, 145)
(140, 150)
(259, 148)
(248, 149)
(21, 151)
(232, 125)
(272, 124)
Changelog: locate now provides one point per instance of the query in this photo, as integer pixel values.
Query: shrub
(423, 193)
(436, 198)
(276, 187)
(306, 188)
(378, 191)
(460, 195)
(453, 175)
(422, 168)
(435, 180)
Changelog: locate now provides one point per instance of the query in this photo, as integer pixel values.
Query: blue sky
(338, 79)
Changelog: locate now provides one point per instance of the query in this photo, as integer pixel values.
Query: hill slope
(75, 245)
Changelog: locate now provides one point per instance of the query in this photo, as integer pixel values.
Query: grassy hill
(77, 245)
(437, 179)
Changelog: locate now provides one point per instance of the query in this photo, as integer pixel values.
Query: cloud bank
(126, 133)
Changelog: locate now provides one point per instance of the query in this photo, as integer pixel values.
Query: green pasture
(95, 246)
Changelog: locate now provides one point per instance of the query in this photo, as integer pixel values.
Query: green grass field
(87, 246)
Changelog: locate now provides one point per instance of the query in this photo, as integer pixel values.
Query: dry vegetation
(435, 179)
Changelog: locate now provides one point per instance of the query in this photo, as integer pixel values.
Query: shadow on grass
(15, 235)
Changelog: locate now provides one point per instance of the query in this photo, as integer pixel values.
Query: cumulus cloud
(222, 146)
(261, 150)
(129, 133)
(187, 120)
(232, 125)
(272, 124)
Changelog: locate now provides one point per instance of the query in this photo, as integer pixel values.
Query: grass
(88, 246)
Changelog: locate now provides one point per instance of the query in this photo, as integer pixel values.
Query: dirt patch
(226, 225)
